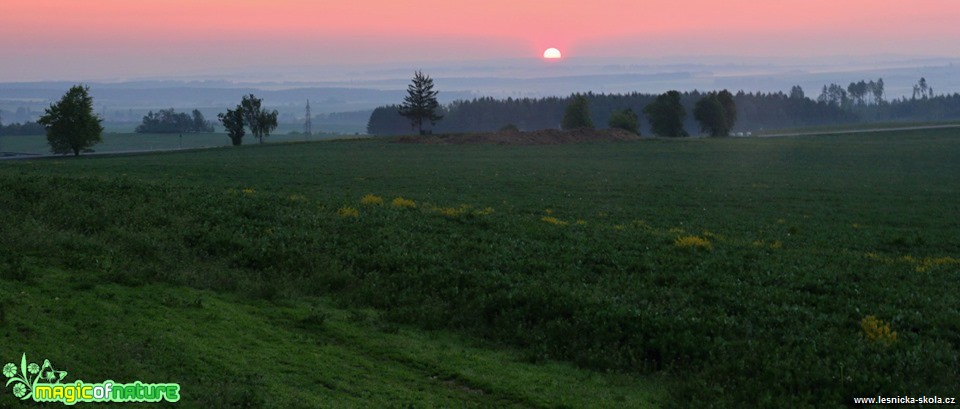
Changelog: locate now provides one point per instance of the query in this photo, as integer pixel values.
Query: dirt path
(856, 131)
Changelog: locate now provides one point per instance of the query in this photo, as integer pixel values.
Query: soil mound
(541, 137)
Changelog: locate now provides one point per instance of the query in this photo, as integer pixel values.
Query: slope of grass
(233, 352)
(746, 269)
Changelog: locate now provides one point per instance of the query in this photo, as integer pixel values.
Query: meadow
(743, 272)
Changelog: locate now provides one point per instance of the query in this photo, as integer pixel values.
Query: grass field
(664, 273)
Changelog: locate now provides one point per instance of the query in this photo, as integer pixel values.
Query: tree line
(20, 129)
(71, 125)
(755, 111)
(867, 100)
(716, 112)
(859, 102)
(169, 121)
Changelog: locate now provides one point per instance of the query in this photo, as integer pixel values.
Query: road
(16, 155)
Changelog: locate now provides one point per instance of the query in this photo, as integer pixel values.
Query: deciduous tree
(232, 121)
(577, 113)
(716, 112)
(666, 114)
(71, 124)
(260, 121)
(709, 113)
(626, 120)
(729, 108)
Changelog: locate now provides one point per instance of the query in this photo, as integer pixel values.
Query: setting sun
(551, 54)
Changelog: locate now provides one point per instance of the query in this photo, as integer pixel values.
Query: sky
(128, 39)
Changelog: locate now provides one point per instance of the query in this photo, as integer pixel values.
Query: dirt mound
(541, 137)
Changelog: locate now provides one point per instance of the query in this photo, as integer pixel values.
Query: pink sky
(71, 39)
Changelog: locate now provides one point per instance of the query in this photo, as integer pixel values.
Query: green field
(736, 272)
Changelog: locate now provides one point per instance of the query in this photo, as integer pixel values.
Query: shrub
(348, 211)
(509, 128)
(577, 114)
(626, 120)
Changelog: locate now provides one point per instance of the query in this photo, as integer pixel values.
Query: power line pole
(308, 123)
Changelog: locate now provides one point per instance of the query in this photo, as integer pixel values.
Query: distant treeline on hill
(756, 112)
(169, 121)
(26, 128)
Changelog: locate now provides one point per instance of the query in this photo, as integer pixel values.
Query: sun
(551, 54)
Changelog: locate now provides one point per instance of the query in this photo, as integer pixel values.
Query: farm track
(860, 131)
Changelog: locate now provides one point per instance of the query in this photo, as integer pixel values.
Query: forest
(26, 128)
(756, 111)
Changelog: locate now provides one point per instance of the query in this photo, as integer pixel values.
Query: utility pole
(308, 123)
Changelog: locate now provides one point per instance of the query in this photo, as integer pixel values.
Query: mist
(358, 89)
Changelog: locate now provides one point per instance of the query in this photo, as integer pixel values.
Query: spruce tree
(421, 102)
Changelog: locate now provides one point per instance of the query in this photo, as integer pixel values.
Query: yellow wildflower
(876, 330)
(932, 262)
(371, 200)
(348, 211)
(485, 211)
(692, 242)
(452, 211)
(554, 221)
(404, 203)
(711, 235)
